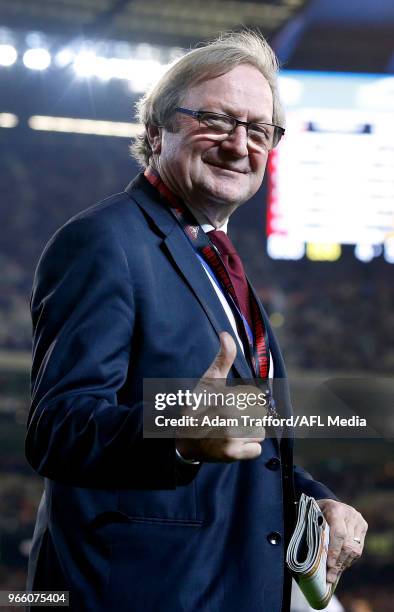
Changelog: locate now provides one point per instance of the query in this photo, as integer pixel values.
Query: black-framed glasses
(263, 136)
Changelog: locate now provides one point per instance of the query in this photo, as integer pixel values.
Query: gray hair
(213, 59)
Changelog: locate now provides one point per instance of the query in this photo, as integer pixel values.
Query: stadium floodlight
(37, 59)
(116, 68)
(142, 73)
(85, 64)
(64, 57)
(364, 252)
(8, 55)
(8, 120)
(389, 249)
(139, 73)
(84, 126)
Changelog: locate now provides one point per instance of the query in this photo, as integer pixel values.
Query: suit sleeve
(305, 483)
(83, 324)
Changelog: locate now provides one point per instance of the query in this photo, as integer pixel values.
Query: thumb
(223, 361)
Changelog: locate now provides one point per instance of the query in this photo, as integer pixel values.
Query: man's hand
(225, 448)
(347, 535)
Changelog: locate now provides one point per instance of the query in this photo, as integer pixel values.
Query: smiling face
(214, 176)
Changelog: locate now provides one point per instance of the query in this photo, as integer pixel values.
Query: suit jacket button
(273, 464)
(274, 538)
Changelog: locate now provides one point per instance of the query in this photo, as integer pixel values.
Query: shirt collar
(205, 226)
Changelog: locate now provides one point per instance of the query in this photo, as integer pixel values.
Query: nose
(236, 143)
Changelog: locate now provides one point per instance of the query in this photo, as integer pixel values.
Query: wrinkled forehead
(243, 90)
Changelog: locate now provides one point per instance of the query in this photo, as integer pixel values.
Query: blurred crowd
(335, 325)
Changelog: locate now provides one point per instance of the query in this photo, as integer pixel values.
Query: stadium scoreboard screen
(331, 178)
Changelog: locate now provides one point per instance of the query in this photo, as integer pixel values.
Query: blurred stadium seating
(331, 318)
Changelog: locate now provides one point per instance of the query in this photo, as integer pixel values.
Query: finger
(355, 550)
(337, 538)
(347, 533)
(251, 450)
(359, 539)
(224, 360)
(349, 553)
(353, 547)
(242, 449)
(243, 441)
(360, 532)
(338, 533)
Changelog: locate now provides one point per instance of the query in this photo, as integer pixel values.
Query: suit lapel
(180, 250)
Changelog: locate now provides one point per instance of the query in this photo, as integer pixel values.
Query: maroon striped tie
(235, 269)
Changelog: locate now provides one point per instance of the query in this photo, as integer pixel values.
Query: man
(135, 287)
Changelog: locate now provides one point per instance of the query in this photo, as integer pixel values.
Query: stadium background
(333, 319)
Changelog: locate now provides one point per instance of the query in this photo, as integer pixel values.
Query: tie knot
(222, 242)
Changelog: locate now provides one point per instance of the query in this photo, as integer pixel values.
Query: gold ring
(357, 540)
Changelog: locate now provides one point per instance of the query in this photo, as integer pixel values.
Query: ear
(154, 136)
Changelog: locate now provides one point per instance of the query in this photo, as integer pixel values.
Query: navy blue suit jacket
(120, 295)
